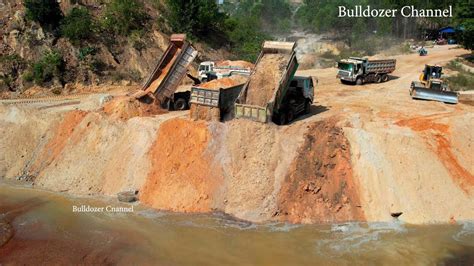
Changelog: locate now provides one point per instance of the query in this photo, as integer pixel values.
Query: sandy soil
(264, 82)
(363, 153)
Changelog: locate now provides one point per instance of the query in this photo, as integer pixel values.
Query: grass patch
(463, 80)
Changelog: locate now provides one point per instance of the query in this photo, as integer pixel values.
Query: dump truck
(215, 100)
(262, 97)
(210, 70)
(361, 70)
(169, 71)
(431, 87)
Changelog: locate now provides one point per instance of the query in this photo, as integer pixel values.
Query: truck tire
(307, 107)
(290, 116)
(180, 104)
(378, 79)
(282, 118)
(384, 78)
(359, 81)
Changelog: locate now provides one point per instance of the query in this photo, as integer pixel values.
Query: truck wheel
(282, 118)
(307, 107)
(180, 104)
(385, 78)
(291, 116)
(359, 81)
(378, 79)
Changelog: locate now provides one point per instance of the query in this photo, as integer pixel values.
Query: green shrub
(78, 25)
(27, 76)
(46, 12)
(85, 51)
(461, 82)
(48, 67)
(124, 16)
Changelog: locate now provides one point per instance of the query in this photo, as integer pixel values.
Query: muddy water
(46, 229)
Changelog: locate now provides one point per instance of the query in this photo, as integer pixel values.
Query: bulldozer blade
(435, 95)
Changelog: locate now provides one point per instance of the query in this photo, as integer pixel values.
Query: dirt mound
(319, 186)
(182, 176)
(125, 107)
(237, 63)
(216, 84)
(264, 82)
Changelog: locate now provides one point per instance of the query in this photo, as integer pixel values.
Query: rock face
(105, 59)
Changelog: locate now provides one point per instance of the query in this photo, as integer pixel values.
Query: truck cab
(349, 69)
(204, 67)
(297, 101)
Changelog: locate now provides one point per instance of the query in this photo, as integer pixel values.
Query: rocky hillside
(32, 54)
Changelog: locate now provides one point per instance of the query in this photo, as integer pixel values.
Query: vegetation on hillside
(45, 12)
(78, 25)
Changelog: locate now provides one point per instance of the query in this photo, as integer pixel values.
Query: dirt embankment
(182, 175)
(365, 152)
(319, 186)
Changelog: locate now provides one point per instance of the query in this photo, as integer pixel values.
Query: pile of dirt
(264, 81)
(237, 63)
(125, 107)
(319, 186)
(223, 83)
(182, 176)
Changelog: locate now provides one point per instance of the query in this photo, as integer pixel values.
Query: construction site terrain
(364, 153)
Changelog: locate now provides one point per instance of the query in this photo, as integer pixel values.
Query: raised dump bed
(262, 95)
(170, 70)
(214, 100)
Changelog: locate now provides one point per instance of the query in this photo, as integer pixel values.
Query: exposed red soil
(320, 185)
(62, 135)
(442, 147)
(182, 176)
(125, 107)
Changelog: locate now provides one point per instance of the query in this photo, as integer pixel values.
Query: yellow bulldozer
(431, 87)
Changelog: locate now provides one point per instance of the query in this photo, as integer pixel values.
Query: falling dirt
(182, 176)
(441, 146)
(264, 82)
(319, 186)
(125, 107)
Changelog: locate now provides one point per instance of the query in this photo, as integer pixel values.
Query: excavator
(431, 87)
(168, 73)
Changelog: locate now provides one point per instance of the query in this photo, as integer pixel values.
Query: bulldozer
(431, 87)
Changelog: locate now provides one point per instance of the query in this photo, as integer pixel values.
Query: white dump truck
(362, 70)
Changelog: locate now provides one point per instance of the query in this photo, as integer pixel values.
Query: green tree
(465, 19)
(50, 65)
(77, 25)
(196, 17)
(124, 16)
(45, 12)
